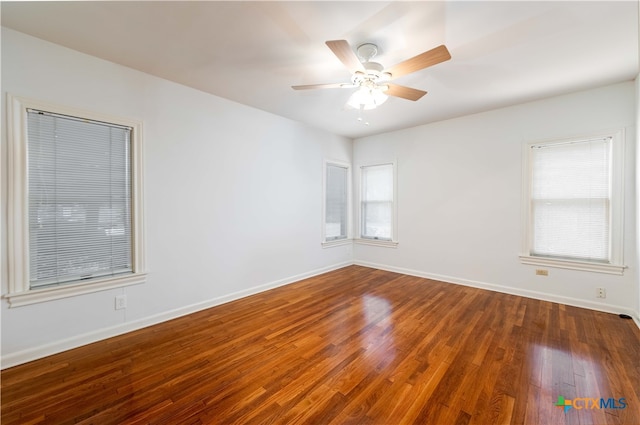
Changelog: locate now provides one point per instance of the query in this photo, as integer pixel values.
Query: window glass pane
(572, 170)
(336, 202)
(376, 218)
(378, 182)
(79, 199)
(570, 201)
(377, 201)
(572, 229)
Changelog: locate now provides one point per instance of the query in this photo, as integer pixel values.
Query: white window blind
(571, 200)
(79, 201)
(336, 202)
(377, 201)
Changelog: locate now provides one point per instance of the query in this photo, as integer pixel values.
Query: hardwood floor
(354, 346)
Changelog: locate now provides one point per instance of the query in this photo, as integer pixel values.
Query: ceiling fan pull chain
(361, 115)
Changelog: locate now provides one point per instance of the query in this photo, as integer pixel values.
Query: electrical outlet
(601, 293)
(542, 272)
(121, 302)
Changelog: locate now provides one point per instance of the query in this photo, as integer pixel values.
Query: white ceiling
(503, 52)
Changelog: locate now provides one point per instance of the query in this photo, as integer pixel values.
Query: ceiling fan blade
(422, 61)
(345, 53)
(324, 86)
(404, 92)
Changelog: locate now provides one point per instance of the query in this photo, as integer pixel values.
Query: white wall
(233, 197)
(637, 81)
(460, 197)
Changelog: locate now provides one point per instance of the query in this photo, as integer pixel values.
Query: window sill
(573, 265)
(20, 299)
(377, 242)
(337, 242)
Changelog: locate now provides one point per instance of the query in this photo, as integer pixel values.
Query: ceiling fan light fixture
(368, 97)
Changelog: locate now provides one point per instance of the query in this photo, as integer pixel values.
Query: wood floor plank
(353, 346)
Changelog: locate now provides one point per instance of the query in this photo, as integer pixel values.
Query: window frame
(349, 238)
(615, 265)
(360, 239)
(19, 290)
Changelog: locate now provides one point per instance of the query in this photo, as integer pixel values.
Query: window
(377, 203)
(336, 203)
(574, 203)
(75, 207)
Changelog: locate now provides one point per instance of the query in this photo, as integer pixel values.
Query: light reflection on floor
(569, 373)
(379, 339)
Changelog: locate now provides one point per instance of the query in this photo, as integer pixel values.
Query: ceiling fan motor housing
(372, 74)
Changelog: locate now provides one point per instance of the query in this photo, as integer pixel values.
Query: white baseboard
(24, 356)
(607, 308)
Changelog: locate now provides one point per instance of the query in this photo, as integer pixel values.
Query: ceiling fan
(372, 79)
